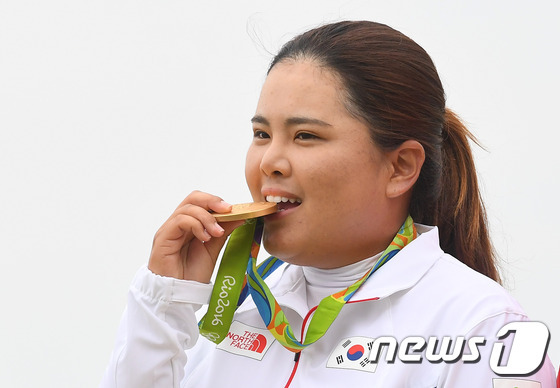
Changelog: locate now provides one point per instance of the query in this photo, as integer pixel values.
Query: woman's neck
(324, 282)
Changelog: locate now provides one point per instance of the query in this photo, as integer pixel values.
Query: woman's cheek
(252, 172)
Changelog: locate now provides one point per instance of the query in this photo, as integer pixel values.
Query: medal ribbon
(269, 309)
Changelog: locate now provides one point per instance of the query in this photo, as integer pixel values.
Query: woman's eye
(260, 135)
(305, 136)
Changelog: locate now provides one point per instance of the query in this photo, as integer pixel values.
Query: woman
(351, 136)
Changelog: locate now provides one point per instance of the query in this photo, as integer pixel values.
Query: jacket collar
(400, 273)
(406, 268)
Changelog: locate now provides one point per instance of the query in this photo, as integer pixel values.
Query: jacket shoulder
(468, 296)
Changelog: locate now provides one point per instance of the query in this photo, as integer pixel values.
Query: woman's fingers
(188, 243)
(202, 257)
(193, 219)
(206, 201)
(204, 224)
(215, 245)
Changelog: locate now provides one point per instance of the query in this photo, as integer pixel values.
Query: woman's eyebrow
(306, 120)
(292, 121)
(258, 119)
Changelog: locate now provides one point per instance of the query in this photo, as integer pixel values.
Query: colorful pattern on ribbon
(264, 269)
(328, 308)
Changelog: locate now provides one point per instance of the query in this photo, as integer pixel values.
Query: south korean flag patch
(353, 353)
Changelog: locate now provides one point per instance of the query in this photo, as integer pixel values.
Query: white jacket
(421, 292)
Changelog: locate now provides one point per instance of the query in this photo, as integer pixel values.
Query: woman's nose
(275, 160)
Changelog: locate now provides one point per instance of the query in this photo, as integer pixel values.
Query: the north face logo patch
(247, 341)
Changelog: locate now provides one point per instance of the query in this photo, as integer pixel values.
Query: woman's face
(319, 162)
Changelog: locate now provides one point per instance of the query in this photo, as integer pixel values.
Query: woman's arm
(159, 323)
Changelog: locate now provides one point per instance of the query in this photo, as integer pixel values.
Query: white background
(112, 111)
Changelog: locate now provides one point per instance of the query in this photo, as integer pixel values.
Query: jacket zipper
(298, 354)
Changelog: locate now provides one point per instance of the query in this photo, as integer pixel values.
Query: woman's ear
(406, 162)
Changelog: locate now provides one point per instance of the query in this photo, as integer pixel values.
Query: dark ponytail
(460, 213)
(392, 85)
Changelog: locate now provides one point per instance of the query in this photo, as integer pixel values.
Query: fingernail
(225, 203)
(218, 227)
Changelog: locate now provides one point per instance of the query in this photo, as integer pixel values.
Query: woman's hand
(188, 244)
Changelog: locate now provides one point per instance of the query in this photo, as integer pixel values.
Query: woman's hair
(392, 85)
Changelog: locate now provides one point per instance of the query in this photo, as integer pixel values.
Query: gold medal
(244, 211)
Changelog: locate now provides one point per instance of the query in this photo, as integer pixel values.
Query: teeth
(278, 199)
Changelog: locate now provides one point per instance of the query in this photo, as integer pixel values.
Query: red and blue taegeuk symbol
(355, 352)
